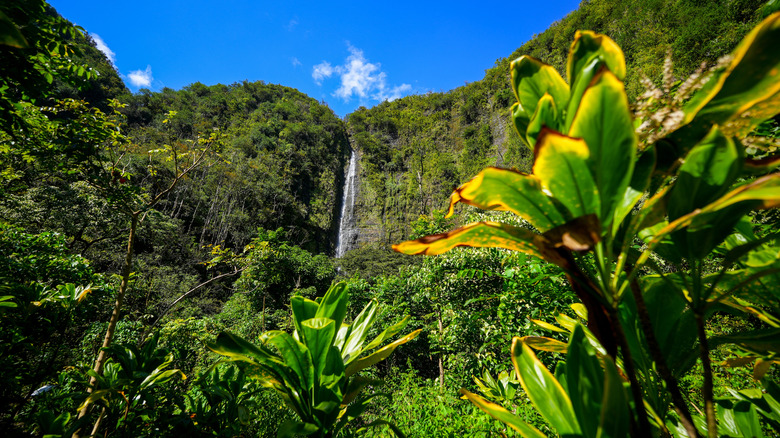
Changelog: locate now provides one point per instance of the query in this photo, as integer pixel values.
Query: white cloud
(322, 71)
(360, 78)
(395, 92)
(291, 25)
(103, 47)
(141, 78)
(295, 61)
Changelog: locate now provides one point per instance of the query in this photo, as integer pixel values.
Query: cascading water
(348, 231)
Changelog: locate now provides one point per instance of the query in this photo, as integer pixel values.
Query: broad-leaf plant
(315, 369)
(655, 238)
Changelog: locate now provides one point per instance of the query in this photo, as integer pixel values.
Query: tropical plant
(224, 406)
(607, 210)
(315, 368)
(129, 387)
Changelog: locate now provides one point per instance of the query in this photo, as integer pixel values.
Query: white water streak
(348, 231)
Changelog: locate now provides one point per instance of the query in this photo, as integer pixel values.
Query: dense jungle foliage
(166, 257)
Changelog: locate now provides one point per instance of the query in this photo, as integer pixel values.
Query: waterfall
(348, 231)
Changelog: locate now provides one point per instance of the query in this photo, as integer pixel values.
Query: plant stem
(120, 296)
(707, 391)
(655, 350)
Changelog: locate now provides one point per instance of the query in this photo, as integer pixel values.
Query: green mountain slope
(416, 149)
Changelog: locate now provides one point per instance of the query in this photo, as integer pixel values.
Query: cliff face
(415, 150)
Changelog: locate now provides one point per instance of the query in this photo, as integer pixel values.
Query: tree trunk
(102, 355)
(441, 356)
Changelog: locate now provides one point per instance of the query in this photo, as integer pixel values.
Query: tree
(109, 176)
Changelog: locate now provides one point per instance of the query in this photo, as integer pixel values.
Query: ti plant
(132, 385)
(654, 238)
(315, 369)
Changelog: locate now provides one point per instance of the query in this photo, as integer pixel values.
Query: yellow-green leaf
(503, 189)
(379, 355)
(561, 165)
(588, 45)
(544, 117)
(484, 235)
(532, 79)
(745, 92)
(504, 416)
(545, 344)
(603, 120)
(521, 119)
(545, 392)
(590, 53)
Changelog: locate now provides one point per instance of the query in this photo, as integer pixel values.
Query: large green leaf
(544, 117)
(532, 79)
(614, 420)
(547, 395)
(379, 355)
(358, 331)
(302, 309)
(738, 419)
(295, 355)
(504, 416)
(588, 45)
(238, 348)
(707, 173)
(590, 53)
(746, 91)
(480, 234)
(319, 334)
(764, 342)
(762, 193)
(585, 382)
(387, 333)
(521, 119)
(502, 189)
(766, 401)
(604, 121)
(334, 303)
(672, 320)
(561, 165)
(640, 181)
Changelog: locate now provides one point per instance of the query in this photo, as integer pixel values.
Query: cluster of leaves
(593, 195)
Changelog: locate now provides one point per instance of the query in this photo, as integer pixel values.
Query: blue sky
(348, 54)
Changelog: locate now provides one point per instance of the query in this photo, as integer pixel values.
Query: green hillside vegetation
(166, 258)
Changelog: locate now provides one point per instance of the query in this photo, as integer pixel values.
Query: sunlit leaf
(480, 234)
(379, 355)
(547, 395)
(746, 91)
(590, 53)
(561, 165)
(502, 189)
(604, 121)
(532, 79)
(504, 416)
(585, 382)
(545, 344)
(544, 117)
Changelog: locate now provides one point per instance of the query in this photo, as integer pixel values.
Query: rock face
(349, 232)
